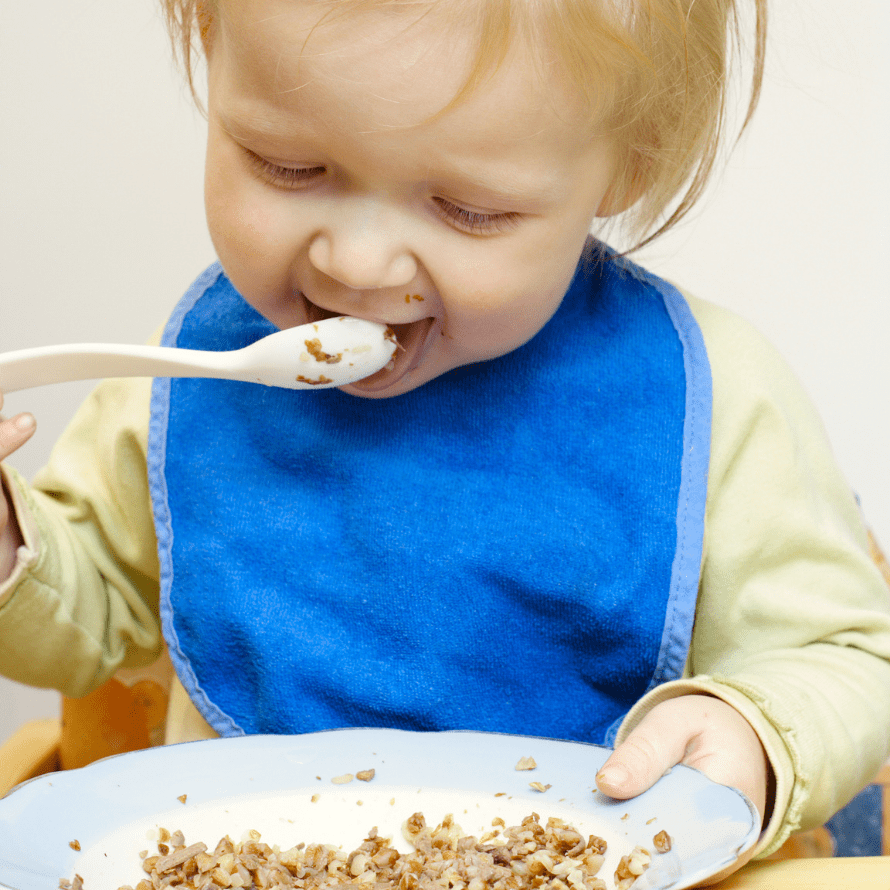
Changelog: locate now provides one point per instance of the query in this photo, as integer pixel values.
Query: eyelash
(469, 221)
(476, 223)
(284, 177)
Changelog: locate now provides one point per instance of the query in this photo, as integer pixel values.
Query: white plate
(114, 808)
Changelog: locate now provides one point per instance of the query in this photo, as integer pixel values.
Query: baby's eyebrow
(505, 188)
(253, 126)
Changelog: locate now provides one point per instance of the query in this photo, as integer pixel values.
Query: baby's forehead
(434, 63)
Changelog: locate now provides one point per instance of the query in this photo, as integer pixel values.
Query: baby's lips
(412, 341)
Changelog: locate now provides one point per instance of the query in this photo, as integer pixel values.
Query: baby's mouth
(412, 341)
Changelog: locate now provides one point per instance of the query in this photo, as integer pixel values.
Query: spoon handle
(332, 352)
(27, 368)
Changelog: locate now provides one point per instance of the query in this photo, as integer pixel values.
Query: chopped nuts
(523, 857)
(75, 845)
(662, 842)
(631, 867)
(365, 775)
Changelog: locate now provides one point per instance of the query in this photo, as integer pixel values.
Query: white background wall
(102, 226)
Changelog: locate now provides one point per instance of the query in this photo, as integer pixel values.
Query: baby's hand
(700, 731)
(13, 434)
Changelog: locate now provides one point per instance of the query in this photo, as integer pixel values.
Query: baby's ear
(206, 24)
(625, 190)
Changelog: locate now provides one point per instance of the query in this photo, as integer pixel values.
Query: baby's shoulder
(732, 342)
(738, 353)
(751, 381)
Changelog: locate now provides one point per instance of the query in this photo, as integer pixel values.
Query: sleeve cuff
(27, 555)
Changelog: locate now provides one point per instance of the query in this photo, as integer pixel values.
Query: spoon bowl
(318, 355)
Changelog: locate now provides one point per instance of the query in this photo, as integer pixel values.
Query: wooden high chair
(128, 713)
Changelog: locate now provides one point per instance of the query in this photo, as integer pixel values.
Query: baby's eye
(474, 222)
(284, 177)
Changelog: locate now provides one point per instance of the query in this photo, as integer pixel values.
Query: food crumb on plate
(182, 798)
(343, 780)
(526, 763)
(75, 845)
(662, 842)
(538, 786)
(365, 775)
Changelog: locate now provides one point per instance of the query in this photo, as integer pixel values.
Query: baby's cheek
(505, 317)
(237, 223)
(253, 246)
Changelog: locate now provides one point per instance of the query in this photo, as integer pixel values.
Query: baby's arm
(82, 599)
(13, 434)
(792, 626)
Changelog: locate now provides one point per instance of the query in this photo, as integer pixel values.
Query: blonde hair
(661, 68)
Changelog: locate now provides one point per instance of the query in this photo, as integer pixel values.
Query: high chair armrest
(31, 751)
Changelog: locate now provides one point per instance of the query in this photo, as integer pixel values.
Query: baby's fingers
(656, 745)
(14, 432)
(698, 730)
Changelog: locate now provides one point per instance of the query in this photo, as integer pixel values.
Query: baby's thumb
(641, 760)
(15, 432)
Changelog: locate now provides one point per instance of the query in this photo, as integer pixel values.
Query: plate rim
(110, 767)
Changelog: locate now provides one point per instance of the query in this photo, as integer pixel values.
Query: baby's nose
(363, 255)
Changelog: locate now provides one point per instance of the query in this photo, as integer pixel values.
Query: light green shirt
(793, 619)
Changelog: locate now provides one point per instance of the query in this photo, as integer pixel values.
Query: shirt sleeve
(792, 625)
(82, 600)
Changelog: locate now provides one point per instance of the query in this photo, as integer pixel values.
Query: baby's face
(337, 185)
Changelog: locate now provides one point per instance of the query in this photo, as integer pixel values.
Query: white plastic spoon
(318, 355)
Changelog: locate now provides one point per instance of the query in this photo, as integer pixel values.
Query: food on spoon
(313, 348)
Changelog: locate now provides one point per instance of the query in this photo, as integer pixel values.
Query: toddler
(578, 504)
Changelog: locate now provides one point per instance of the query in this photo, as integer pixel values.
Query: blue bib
(514, 546)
